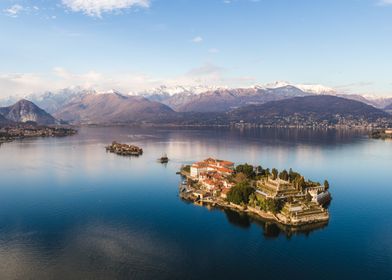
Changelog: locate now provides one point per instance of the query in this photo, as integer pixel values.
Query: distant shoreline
(16, 132)
(250, 126)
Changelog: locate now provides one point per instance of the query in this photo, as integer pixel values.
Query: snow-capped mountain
(173, 90)
(50, 101)
(198, 98)
(204, 98)
(220, 99)
(308, 88)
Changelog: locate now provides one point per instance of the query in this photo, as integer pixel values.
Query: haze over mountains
(389, 107)
(192, 105)
(200, 98)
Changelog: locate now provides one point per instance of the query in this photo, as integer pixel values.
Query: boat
(164, 159)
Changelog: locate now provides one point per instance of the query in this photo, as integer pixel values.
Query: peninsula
(284, 197)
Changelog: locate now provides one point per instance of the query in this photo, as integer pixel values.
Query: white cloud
(197, 39)
(14, 10)
(385, 2)
(22, 84)
(19, 84)
(96, 8)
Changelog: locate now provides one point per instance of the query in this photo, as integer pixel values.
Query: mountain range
(200, 98)
(221, 100)
(112, 108)
(271, 104)
(207, 99)
(316, 108)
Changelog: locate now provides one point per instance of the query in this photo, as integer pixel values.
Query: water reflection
(94, 251)
(237, 219)
(270, 229)
(69, 210)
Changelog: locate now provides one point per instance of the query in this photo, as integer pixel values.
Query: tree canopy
(247, 169)
(274, 173)
(240, 193)
(284, 175)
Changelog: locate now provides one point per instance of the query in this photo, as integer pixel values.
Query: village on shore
(21, 131)
(284, 197)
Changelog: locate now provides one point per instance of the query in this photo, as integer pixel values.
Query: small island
(21, 131)
(284, 197)
(124, 149)
(381, 134)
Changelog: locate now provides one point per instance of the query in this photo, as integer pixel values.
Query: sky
(134, 45)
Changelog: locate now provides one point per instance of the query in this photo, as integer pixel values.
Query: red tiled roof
(225, 162)
(224, 169)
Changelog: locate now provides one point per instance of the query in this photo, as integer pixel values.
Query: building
(213, 175)
(212, 165)
(276, 188)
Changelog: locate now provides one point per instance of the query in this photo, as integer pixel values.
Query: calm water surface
(69, 210)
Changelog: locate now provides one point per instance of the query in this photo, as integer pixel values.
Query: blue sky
(132, 45)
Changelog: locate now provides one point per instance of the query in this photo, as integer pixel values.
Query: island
(124, 149)
(284, 197)
(21, 131)
(381, 134)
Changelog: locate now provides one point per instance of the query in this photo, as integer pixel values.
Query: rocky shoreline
(257, 213)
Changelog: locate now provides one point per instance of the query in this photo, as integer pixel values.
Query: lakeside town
(21, 131)
(307, 122)
(284, 197)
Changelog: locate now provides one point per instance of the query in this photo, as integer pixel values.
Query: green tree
(240, 193)
(299, 183)
(293, 175)
(259, 170)
(267, 172)
(274, 173)
(273, 205)
(187, 168)
(240, 177)
(284, 175)
(326, 184)
(247, 169)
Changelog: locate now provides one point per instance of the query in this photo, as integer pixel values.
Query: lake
(70, 210)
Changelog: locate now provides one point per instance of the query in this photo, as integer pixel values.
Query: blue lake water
(69, 210)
